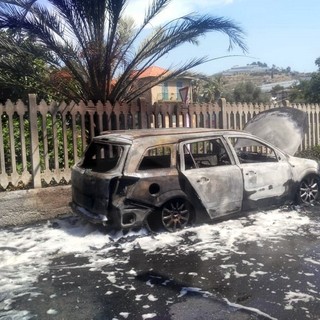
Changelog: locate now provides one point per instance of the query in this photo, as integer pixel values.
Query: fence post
(143, 113)
(286, 103)
(34, 141)
(223, 109)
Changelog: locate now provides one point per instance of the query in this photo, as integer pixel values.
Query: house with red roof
(168, 91)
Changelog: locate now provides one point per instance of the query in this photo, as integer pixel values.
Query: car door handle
(203, 180)
(250, 172)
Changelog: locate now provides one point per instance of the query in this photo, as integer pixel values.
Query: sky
(284, 33)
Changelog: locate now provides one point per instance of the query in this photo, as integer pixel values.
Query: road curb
(28, 206)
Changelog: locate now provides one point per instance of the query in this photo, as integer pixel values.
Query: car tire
(308, 191)
(174, 215)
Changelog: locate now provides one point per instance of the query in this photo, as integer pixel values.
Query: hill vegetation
(252, 83)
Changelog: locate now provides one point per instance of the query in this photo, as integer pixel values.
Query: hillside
(261, 79)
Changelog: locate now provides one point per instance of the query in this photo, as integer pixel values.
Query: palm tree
(207, 88)
(96, 43)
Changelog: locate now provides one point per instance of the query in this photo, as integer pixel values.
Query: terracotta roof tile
(152, 71)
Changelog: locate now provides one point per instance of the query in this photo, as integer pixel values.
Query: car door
(207, 166)
(266, 173)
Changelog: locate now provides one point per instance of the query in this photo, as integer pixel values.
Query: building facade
(168, 91)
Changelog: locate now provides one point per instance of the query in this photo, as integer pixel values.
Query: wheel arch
(194, 202)
(306, 173)
(170, 195)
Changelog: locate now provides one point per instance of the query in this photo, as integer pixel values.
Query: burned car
(171, 178)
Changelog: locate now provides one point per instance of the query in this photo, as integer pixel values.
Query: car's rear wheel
(173, 216)
(308, 191)
(176, 214)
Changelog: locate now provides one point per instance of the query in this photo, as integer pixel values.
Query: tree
(298, 92)
(25, 69)
(208, 89)
(276, 89)
(20, 72)
(248, 92)
(97, 45)
(317, 62)
(307, 91)
(260, 64)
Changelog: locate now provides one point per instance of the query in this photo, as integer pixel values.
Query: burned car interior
(207, 153)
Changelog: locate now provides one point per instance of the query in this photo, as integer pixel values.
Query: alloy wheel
(309, 190)
(175, 215)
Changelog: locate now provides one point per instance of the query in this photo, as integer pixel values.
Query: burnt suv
(172, 177)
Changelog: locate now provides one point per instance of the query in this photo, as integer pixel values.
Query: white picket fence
(39, 142)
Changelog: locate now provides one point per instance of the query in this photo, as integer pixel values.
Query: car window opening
(102, 157)
(204, 154)
(252, 151)
(156, 158)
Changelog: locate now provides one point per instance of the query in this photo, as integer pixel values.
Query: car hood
(283, 127)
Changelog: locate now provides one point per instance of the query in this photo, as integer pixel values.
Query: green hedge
(311, 153)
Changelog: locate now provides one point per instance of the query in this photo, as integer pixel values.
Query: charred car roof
(283, 127)
(165, 135)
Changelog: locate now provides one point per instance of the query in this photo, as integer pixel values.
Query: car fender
(303, 167)
(307, 172)
(172, 194)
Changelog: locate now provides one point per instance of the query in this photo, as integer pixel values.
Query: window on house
(165, 91)
(179, 86)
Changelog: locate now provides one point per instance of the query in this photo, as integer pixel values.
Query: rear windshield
(102, 157)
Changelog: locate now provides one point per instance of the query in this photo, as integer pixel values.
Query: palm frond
(96, 43)
(154, 9)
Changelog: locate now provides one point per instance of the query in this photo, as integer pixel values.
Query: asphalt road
(262, 266)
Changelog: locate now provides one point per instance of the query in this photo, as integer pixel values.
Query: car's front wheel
(308, 191)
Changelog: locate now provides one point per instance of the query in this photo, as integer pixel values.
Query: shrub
(311, 153)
